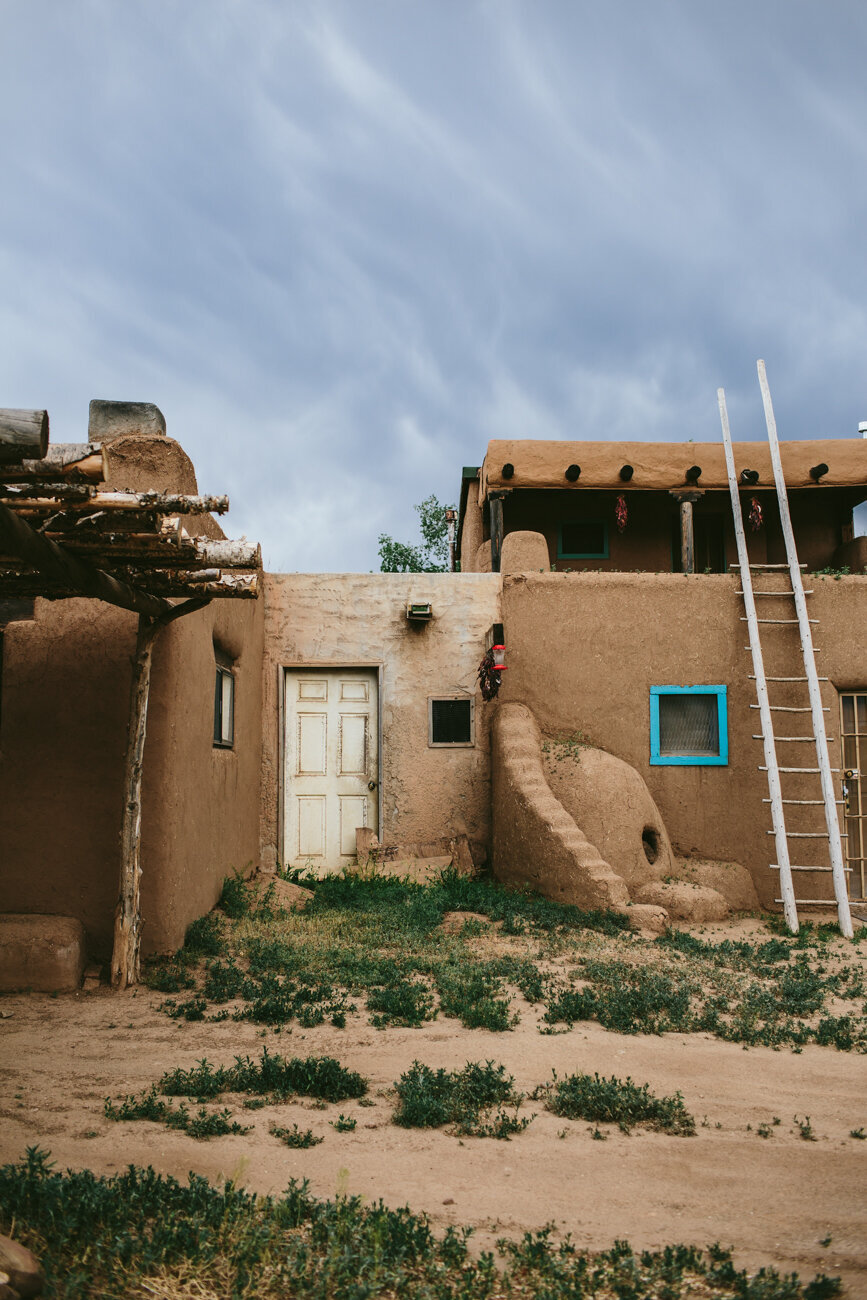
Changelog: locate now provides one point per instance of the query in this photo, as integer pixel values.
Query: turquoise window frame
(583, 555)
(690, 760)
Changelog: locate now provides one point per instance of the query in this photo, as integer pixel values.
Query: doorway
(853, 732)
(330, 764)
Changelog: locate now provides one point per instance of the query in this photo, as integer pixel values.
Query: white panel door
(331, 756)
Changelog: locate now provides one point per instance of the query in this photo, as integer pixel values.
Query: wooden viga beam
(159, 503)
(23, 435)
(155, 551)
(199, 584)
(58, 566)
(74, 462)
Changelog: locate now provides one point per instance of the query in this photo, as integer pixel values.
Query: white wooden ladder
(831, 833)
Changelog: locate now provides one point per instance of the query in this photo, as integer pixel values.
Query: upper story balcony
(662, 507)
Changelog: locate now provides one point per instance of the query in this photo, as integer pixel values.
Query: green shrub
(236, 898)
(431, 1098)
(296, 1137)
(205, 936)
(617, 1101)
(405, 1002)
(310, 1076)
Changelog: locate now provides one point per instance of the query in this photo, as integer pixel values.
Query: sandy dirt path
(775, 1199)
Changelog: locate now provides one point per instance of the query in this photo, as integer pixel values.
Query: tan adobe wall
(62, 736)
(360, 619)
(200, 803)
(663, 465)
(584, 649)
(65, 710)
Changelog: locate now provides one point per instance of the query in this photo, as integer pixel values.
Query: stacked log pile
(62, 535)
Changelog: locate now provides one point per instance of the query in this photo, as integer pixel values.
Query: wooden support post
(687, 530)
(495, 502)
(125, 958)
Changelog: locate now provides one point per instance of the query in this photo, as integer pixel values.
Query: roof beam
(57, 564)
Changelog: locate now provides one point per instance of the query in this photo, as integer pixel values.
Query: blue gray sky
(343, 243)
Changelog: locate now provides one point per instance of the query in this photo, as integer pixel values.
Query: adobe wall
(355, 619)
(65, 712)
(584, 649)
(62, 737)
(200, 803)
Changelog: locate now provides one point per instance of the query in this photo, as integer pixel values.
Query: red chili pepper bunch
(489, 678)
(756, 517)
(621, 513)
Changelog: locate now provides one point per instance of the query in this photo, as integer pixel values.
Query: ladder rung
(752, 678)
(786, 621)
(812, 902)
(760, 567)
(791, 708)
(788, 740)
(806, 835)
(817, 802)
(802, 769)
(773, 867)
(807, 592)
(816, 651)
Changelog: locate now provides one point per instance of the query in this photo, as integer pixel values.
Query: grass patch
(147, 1105)
(109, 1238)
(463, 1098)
(296, 1137)
(309, 1076)
(617, 1101)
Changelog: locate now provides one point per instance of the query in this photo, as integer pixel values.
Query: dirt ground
(794, 1204)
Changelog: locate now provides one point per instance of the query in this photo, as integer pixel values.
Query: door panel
(330, 764)
(853, 733)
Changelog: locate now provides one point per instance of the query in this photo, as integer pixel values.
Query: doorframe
(322, 665)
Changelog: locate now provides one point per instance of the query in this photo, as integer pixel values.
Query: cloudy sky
(343, 243)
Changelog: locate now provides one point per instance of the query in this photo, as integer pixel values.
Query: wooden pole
(495, 500)
(23, 435)
(125, 958)
(829, 796)
(687, 528)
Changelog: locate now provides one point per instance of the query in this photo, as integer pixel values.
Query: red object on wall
(756, 517)
(621, 513)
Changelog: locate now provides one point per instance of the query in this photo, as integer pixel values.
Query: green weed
(463, 1098)
(617, 1101)
(108, 1238)
(296, 1137)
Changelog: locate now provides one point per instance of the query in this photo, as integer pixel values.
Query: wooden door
(853, 731)
(331, 772)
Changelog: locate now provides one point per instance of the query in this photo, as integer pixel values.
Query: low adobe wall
(584, 649)
(355, 619)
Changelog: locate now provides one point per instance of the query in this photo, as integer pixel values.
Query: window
(688, 726)
(582, 539)
(450, 721)
(224, 702)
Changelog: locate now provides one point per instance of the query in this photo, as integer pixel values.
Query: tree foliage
(432, 555)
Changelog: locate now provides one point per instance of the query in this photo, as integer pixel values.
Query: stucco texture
(356, 620)
(65, 713)
(584, 650)
(663, 465)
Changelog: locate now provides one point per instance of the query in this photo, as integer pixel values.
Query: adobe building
(618, 765)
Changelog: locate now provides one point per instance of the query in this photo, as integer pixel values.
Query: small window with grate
(582, 539)
(450, 720)
(688, 726)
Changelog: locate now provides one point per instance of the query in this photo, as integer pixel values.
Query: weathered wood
(160, 503)
(23, 435)
(57, 563)
(68, 460)
(686, 501)
(20, 584)
(125, 957)
(230, 554)
(495, 502)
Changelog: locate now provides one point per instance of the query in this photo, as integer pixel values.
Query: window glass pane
(583, 537)
(226, 709)
(688, 724)
(848, 703)
(451, 722)
(861, 701)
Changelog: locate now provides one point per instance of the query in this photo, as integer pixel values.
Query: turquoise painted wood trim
(690, 760)
(583, 555)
